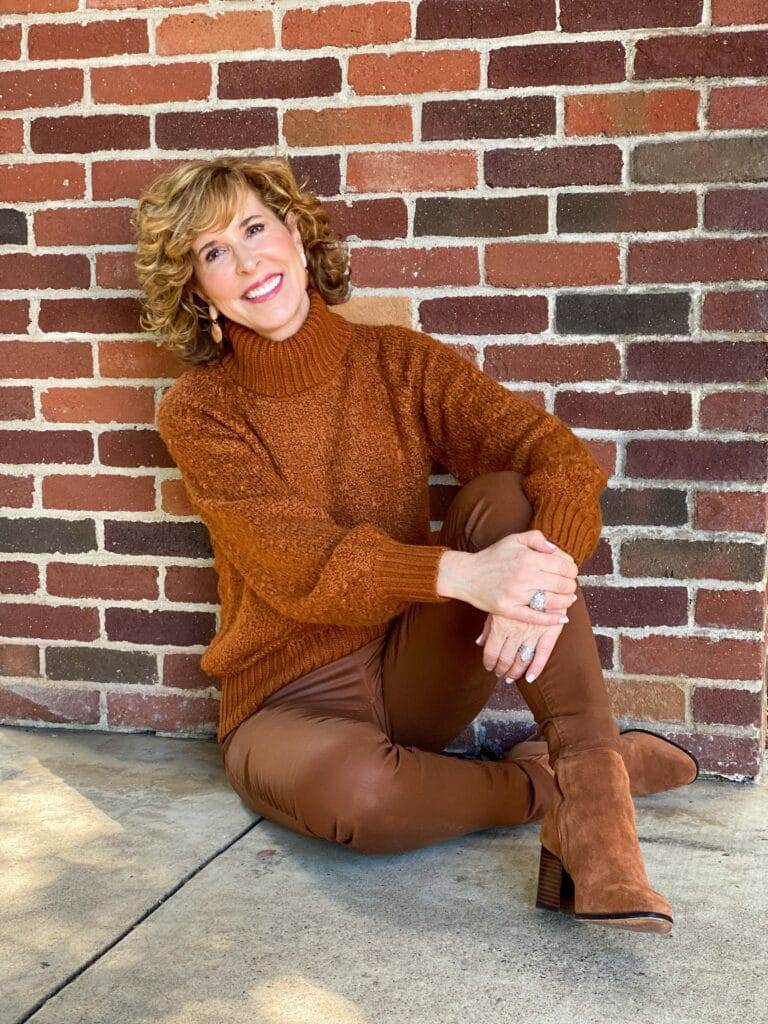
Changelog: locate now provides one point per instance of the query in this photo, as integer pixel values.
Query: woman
(346, 648)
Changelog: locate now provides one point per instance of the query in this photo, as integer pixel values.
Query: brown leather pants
(350, 752)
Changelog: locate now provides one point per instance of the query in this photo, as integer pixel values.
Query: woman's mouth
(269, 289)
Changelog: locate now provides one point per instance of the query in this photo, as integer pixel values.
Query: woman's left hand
(501, 639)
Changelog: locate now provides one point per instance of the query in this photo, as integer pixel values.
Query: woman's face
(256, 248)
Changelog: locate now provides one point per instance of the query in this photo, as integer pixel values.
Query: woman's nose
(245, 261)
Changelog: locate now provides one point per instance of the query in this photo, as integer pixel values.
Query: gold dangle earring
(216, 332)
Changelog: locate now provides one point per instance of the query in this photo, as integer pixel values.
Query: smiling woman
(235, 236)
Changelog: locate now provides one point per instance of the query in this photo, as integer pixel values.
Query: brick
(646, 701)
(43, 446)
(745, 511)
(232, 129)
(735, 311)
(622, 313)
(13, 229)
(69, 40)
(36, 6)
(14, 317)
(354, 25)
(691, 361)
(16, 404)
(484, 314)
(181, 540)
(693, 656)
(735, 410)
(126, 179)
(697, 460)
(11, 135)
(372, 218)
(133, 448)
(411, 171)
(477, 19)
(643, 506)
(166, 83)
(201, 33)
(691, 559)
(23, 270)
(485, 218)
(279, 79)
(99, 493)
(612, 212)
(45, 359)
(43, 87)
(140, 626)
(499, 735)
(421, 268)
(183, 672)
(553, 166)
(700, 259)
(34, 183)
(739, 106)
(174, 498)
(626, 607)
(89, 134)
(413, 72)
(90, 316)
(727, 706)
(119, 581)
(25, 702)
(101, 665)
(552, 363)
(16, 491)
(49, 621)
(711, 55)
(91, 225)
(556, 64)
(161, 713)
(732, 756)
(19, 660)
(730, 609)
(117, 5)
(513, 117)
(735, 159)
(347, 126)
(188, 583)
(531, 264)
(632, 113)
(10, 42)
(19, 578)
(636, 410)
(737, 12)
(116, 270)
(596, 15)
(736, 209)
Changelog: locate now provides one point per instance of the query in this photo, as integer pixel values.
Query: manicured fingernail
(564, 618)
(479, 639)
(550, 544)
(507, 679)
(529, 678)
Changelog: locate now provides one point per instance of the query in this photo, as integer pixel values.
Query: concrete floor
(136, 887)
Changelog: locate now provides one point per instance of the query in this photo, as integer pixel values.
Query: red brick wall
(574, 193)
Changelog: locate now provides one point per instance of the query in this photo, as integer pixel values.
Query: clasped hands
(503, 635)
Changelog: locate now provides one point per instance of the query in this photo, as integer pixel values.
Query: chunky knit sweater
(308, 460)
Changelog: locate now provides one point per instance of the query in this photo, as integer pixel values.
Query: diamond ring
(525, 652)
(538, 601)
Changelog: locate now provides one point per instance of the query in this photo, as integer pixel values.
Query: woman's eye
(211, 254)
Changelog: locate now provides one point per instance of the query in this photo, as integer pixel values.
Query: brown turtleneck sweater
(308, 460)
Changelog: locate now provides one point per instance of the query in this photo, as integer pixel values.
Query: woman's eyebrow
(242, 224)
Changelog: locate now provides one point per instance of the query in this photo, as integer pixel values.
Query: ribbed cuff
(571, 525)
(408, 572)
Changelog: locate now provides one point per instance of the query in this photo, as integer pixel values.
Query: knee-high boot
(590, 859)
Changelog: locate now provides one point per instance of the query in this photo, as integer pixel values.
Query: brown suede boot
(590, 860)
(654, 764)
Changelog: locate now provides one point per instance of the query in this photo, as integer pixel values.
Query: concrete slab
(281, 929)
(95, 829)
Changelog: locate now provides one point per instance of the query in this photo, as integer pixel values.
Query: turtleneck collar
(308, 357)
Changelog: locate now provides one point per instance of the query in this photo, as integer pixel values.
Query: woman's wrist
(452, 573)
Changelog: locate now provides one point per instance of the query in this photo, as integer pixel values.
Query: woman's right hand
(503, 577)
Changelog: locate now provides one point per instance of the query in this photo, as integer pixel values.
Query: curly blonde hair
(199, 196)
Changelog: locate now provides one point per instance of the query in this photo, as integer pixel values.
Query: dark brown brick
(43, 446)
(513, 117)
(19, 578)
(181, 540)
(553, 166)
(731, 756)
(612, 212)
(23, 270)
(730, 609)
(232, 129)
(597, 15)
(101, 665)
(279, 79)
(485, 218)
(745, 511)
(622, 313)
(91, 225)
(140, 626)
(735, 410)
(697, 460)
(50, 622)
(736, 310)
(188, 583)
(646, 506)
(133, 448)
(693, 656)
(691, 559)
(699, 259)
(183, 672)
(370, 218)
(637, 606)
(90, 316)
(736, 209)
(477, 19)
(552, 363)
(16, 491)
(13, 229)
(484, 314)
(711, 55)
(639, 410)
(17, 403)
(46, 535)
(740, 158)
(693, 361)
(89, 134)
(556, 64)
(727, 706)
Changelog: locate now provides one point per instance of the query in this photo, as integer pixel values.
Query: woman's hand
(501, 639)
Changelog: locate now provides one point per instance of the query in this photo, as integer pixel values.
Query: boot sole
(556, 891)
(672, 743)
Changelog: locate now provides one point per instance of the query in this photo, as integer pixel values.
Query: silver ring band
(539, 601)
(525, 653)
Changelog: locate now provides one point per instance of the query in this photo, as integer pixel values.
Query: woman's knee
(492, 506)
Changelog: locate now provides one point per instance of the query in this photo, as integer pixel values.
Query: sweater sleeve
(290, 552)
(474, 425)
